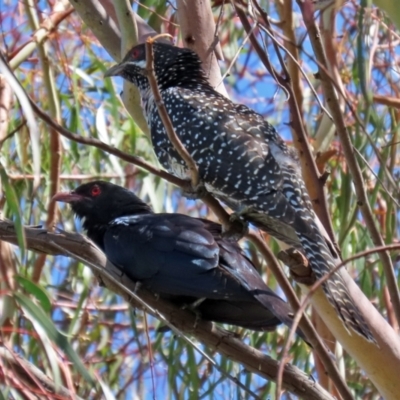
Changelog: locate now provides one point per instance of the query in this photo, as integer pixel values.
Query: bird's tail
(321, 262)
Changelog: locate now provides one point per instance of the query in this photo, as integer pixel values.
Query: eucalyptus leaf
(54, 335)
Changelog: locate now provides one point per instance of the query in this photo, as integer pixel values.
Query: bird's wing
(244, 162)
(171, 254)
(177, 255)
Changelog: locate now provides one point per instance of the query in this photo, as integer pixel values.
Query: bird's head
(101, 202)
(172, 66)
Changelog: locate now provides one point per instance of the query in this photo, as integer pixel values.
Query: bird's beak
(116, 70)
(67, 197)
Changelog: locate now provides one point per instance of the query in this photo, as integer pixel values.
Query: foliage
(53, 312)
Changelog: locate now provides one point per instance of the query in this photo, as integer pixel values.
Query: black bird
(241, 160)
(182, 259)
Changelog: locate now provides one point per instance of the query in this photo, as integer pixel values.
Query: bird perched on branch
(182, 259)
(240, 157)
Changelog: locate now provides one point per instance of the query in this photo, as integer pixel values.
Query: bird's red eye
(135, 53)
(95, 190)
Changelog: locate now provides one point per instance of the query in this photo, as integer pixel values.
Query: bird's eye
(135, 53)
(95, 190)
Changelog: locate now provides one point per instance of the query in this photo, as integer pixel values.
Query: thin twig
(365, 253)
(235, 57)
(12, 133)
(310, 85)
(376, 176)
(173, 137)
(47, 27)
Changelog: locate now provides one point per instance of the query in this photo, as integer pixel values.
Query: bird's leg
(194, 193)
(101, 282)
(241, 215)
(137, 287)
(192, 307)
(163, 329)
(237, 227)
(197, 318)
(197, 303)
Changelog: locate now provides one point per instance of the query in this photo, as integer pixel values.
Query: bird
(241, 160)
(180, 258)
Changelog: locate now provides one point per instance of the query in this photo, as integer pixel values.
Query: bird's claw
(163, 329)
(197, 318)
(236, 229)
(243, 213)
(101, 282)
(194, 192)
(193, 307)
(137, 287)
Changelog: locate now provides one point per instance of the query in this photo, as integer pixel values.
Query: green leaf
(37, 291)
(13, 204)
(73, 327)
(36, 314)
(106, 390)
(46, 343)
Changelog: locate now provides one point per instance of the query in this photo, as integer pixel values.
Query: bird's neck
(95, 232)
(96, 229)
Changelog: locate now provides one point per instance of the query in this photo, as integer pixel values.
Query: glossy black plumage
(241, 160)
(181, 258)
